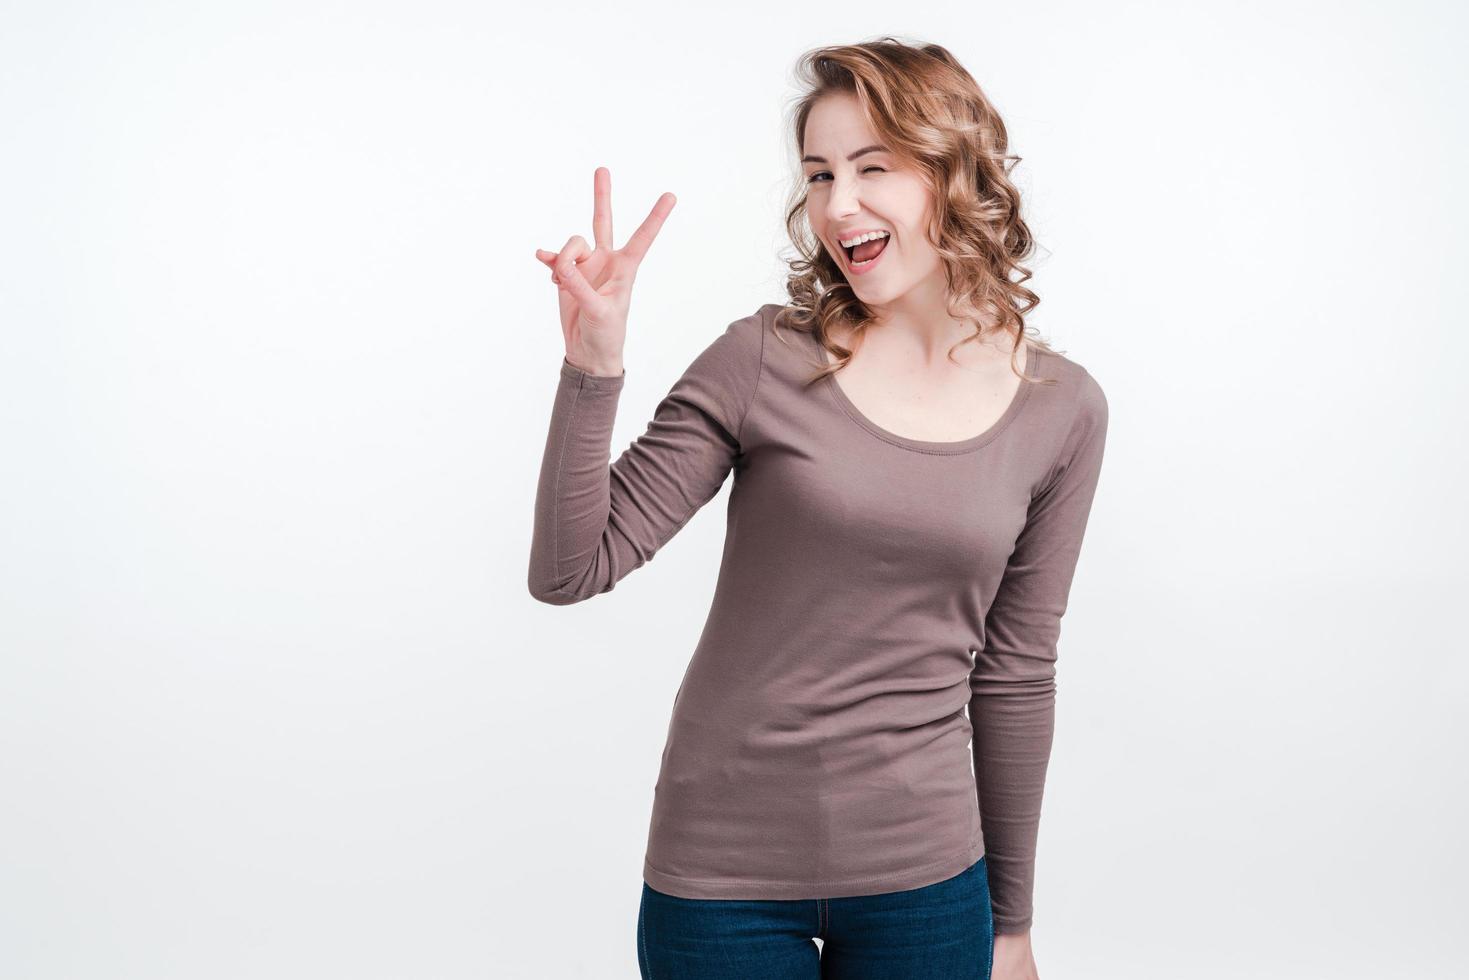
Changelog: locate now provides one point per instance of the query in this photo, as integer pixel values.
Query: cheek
(907, 222)
(903, 187)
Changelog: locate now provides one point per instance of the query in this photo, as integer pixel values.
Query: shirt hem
(682, 886)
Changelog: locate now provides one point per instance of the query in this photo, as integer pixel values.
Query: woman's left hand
(1014, 959)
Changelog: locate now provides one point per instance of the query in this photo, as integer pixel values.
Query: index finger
(637, 246)
(602, 208)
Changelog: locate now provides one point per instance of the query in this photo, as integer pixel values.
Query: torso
(944, 402)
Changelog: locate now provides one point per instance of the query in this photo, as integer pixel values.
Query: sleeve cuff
(586, 379)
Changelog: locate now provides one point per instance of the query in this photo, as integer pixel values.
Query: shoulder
(743, 343)
(742, 340)
(723, 377)
(752, 327)
(738, 346)
(1069, 388)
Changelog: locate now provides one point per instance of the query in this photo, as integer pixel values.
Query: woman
(901, 544)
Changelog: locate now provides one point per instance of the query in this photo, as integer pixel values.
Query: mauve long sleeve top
(872, 588)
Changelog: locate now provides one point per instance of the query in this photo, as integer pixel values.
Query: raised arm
(1012, 703)
(595, 522)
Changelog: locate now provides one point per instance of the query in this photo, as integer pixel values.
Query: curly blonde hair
(930, 111)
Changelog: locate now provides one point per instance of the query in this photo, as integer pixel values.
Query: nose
(841, 200)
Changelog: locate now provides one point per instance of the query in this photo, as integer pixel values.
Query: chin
(875, 292)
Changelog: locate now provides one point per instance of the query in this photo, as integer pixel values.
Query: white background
(276, 370)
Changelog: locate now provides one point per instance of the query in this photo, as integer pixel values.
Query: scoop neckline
(940, 446)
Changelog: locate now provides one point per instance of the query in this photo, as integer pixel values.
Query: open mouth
(863, 255)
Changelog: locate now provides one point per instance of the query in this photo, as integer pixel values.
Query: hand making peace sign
(595, 284)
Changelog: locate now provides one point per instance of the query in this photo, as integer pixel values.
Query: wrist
(601, 369)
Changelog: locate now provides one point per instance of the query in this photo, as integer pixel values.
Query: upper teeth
(869, 236)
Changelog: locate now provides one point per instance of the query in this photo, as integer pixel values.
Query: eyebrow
(874, 148)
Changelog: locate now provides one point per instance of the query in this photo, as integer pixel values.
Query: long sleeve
(594, 522)
(1012, 703)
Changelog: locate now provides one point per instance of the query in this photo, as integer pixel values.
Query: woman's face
(873, 191)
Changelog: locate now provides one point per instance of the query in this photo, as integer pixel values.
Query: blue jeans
(944, 930)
